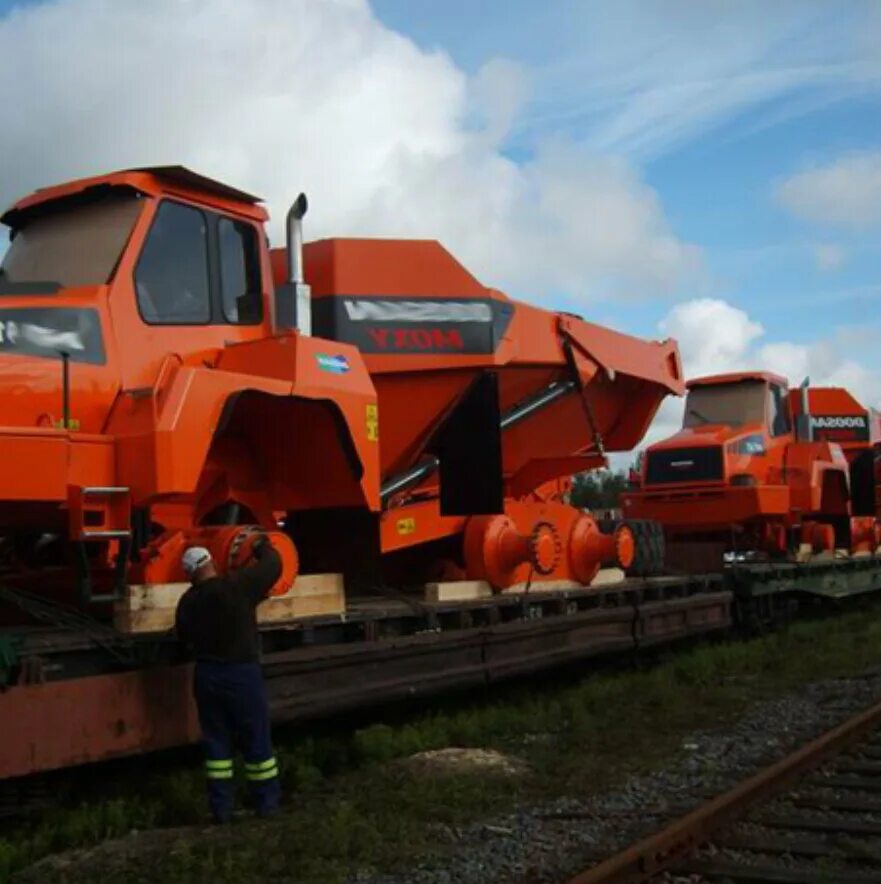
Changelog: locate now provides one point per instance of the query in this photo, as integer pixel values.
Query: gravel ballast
(554, 840)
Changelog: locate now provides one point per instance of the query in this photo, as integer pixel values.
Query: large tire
(649, 550)
(660, 549)
(649, 556)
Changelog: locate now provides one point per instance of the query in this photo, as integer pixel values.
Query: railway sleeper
(834, 846)
(718, 870)
(834, 824)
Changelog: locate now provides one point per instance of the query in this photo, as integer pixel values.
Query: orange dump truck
(757, 467)
(165, 380)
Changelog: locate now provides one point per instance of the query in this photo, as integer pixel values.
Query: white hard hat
(194, 558)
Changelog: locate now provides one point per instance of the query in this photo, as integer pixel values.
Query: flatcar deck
(85, 695)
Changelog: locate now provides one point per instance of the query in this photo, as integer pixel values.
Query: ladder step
(104, 535)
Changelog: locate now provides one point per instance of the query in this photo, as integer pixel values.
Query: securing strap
(219, 769)
(261, 770)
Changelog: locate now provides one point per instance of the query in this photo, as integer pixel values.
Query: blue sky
(716, 182)
(709, 170)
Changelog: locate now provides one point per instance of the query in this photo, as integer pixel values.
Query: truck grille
(684, 465)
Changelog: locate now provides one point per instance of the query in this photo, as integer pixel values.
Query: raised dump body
(481, 398)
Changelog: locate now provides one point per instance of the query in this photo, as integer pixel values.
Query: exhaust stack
(804, 429)
(298, 294)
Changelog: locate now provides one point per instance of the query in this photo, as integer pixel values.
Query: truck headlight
(754, 444)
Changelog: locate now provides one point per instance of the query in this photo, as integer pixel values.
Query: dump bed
(432, 334)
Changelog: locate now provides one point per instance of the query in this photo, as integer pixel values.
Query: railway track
(812, 818)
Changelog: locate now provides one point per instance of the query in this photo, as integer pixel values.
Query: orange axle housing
(533, 543)
(231, 547)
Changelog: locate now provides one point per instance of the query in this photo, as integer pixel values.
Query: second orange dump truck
(760, 468)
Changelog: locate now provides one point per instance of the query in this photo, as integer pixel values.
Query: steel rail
(656, 853)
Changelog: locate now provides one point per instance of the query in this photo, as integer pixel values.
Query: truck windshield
(74, 243)
(733, 405)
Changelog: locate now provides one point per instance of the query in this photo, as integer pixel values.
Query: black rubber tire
(649, 550)
(660, 548)
(642, 556)
(648, 559)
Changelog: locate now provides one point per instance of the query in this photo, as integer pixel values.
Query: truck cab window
(240, 272)
(171, 278)
(74, 242)
(780, 422)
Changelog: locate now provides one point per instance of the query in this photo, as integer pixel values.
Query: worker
(217, 617)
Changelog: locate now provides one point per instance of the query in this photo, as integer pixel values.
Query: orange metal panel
(708, 510)
(38, 465)
(417, 522)
(64, 723)
(152, 183)
(409, 268)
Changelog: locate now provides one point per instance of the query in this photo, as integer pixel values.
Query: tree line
(598, 490)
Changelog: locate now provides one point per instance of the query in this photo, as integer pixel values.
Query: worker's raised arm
(259, 578)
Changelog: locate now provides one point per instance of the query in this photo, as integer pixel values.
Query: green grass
(350, 807)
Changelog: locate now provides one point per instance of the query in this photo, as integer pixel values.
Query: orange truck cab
(149, 386)
(759, 468)
(162, 384)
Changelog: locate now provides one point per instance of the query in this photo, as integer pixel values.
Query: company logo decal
(333, 364)
(417, 338)
(410, 326)
(839, 422)
(417, 311)
(50, 331)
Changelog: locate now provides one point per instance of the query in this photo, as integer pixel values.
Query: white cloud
(713, 335)
(845, 193)
(829, 257)
(276, 96)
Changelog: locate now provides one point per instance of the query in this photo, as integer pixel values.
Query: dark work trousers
(234, 714)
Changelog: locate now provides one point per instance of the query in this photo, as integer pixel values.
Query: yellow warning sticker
(372, 421)
(406, 526)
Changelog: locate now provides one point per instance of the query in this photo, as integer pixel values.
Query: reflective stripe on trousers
(219, 769)
(261, 770)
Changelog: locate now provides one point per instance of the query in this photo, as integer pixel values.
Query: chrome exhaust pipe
(302, 295)
(806, 431)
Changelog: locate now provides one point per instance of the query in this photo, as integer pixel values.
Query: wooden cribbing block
(608, 577)
(144, 620)
(605, 577)
(457, 591)
(804, 553)
(541, 586)
(312, 595)
(143, 596)
(151, 608)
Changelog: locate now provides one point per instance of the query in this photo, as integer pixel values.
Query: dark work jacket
(218, 617)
